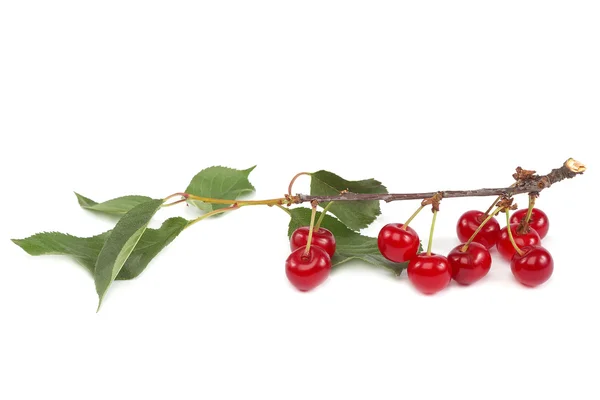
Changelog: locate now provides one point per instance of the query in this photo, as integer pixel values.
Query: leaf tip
(84, 201)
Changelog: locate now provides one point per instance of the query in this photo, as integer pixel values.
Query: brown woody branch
(526, 182)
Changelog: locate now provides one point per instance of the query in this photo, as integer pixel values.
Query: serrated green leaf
(354, 214)
(150, 244)
(86, 250)
(350, 245)
(119, 206)
(120, 244)
(219, 183)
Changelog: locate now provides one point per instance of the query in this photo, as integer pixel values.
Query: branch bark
(527, 182)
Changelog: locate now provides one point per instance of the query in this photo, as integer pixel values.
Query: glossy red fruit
(468, 224)
(538, 222)
(398, 244)
(321, 237)
(306, 272)
(534, 267)
(429, 273)
(505, 247)
(470, 265)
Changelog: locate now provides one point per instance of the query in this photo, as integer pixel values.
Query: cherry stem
(291, 185)
(214, 212)
(310, 230)
(479, 228)
(510, 235)
(530, 209)
(496, 201)
(409, 220)
(322, 216)
(493, 205)
(431, 232)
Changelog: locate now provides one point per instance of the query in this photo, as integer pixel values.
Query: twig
(532, 184)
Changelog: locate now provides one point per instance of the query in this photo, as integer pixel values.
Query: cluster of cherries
(519, 242)
(309, 265)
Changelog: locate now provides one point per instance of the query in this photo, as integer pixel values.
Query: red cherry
(470, 265)
(534, 267)
(398, 244)
(321, 237)
(538, 221)
(468, 224)
(429, 273)
(505, 247)
(306, 272)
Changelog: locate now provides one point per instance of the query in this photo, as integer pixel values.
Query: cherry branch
(527, 182)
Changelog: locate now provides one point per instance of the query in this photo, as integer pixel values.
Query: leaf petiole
(210, 214)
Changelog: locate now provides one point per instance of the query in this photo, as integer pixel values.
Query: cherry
(429, 273)
(398, 244)
(321, 237)
(470, 265)
(505, 247)
(538, 221)
(468, 224)
(533, 267)
(306, 272)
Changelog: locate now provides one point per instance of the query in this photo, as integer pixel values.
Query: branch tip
(575, 166)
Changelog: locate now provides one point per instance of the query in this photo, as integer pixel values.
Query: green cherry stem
(431, 232)
(496, 201)
(409, 220)
(493, 205)
(485, 221)
(322, 216)
(530, 209)
(510, 235)
(310, 231)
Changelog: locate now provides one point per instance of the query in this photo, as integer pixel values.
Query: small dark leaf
(350, 245)
(120, 205)
(219, 183)
(354, 214)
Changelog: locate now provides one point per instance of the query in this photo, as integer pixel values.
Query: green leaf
(86, 250)
(350, 245)
(150, 244)
(120, 244)
(354, 214)
(219, 183)
(120, 205)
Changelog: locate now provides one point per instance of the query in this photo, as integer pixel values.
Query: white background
(122, 97)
